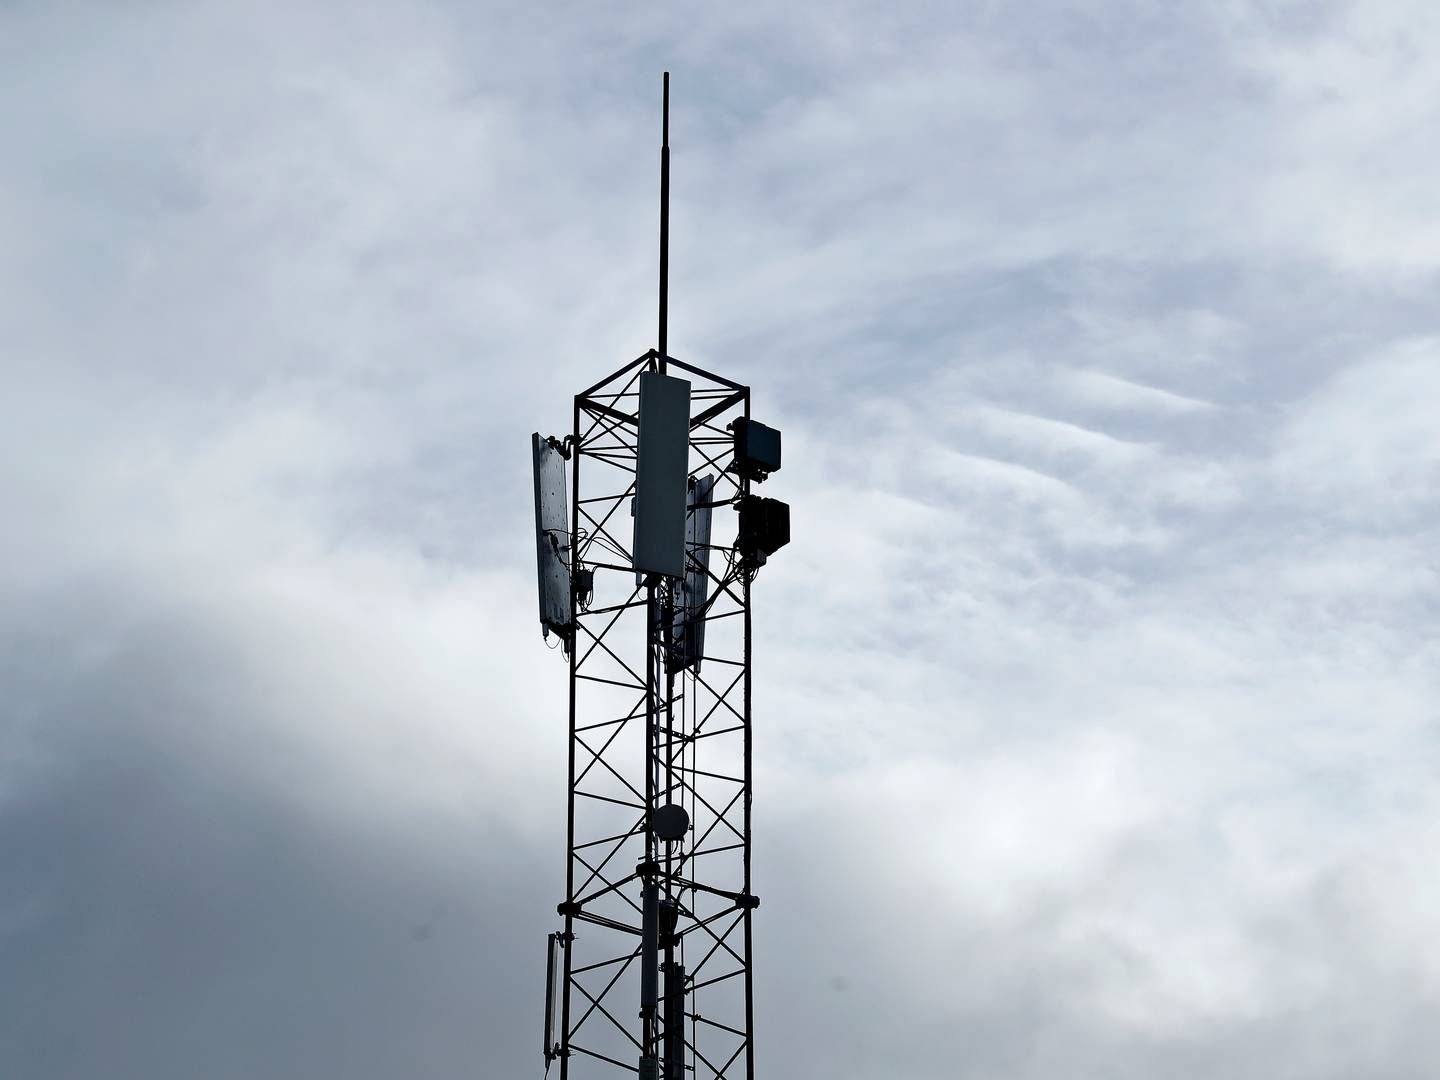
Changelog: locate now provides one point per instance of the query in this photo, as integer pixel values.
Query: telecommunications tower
(650, 599)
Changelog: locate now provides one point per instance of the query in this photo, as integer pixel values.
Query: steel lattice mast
(652, 969)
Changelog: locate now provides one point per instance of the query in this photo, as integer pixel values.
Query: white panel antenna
(552, 536)
(661, 469)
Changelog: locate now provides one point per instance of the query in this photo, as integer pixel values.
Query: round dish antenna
(671, 822)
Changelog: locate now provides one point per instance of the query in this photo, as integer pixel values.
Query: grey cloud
(1096, 690)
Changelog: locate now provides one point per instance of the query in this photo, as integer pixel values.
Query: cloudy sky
(1096, 696)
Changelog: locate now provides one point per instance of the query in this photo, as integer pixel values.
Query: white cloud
(1095, 690)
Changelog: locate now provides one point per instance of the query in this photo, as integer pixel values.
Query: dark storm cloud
(184, 896)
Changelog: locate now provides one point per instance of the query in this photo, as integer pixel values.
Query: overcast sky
(1096, 719)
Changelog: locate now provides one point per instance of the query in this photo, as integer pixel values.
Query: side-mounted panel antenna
(552, 536)
(689, 634)
(552, 950)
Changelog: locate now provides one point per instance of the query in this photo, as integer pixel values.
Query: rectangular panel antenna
(552, 536)
(689, 635)
(661, 469)
(551, 963)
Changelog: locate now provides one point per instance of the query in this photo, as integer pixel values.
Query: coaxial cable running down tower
(651, 970)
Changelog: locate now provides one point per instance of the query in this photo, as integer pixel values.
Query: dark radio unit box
(757, 449)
